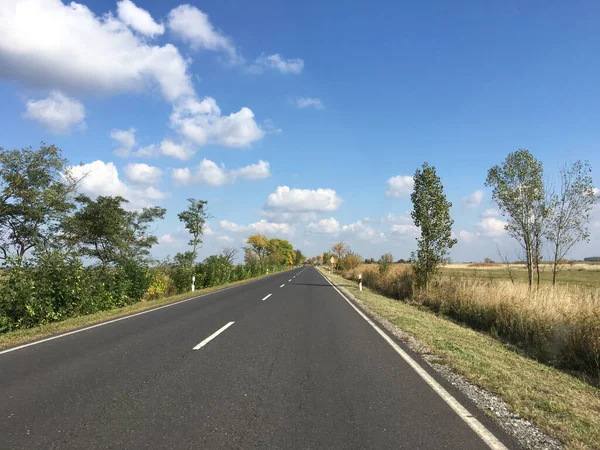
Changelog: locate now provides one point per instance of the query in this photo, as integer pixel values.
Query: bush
(181, 276)
(56, 288)
(160, 285)
(350, 261)
(385, 262)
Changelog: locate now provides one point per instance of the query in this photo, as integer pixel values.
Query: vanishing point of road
(283, 362)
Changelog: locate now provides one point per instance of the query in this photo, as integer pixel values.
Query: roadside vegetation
(554, 315)
(67, 255)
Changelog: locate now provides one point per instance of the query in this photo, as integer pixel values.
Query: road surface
(284, 362)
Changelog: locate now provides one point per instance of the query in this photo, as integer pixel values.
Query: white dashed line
(282, 285)
(266, 297)
(212, 336)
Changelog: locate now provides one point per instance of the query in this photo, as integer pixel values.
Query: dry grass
(543, 267)
(557, 325)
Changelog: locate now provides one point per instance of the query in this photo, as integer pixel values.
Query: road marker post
(360, 282)
(193, 283)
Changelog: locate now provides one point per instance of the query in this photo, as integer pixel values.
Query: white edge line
(282, 285)
(266, 297)
(129, 316)
(487, 437)
(212, 336)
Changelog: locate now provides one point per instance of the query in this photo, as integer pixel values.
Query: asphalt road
(298, 370)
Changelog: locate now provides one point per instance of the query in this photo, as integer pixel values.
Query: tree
(518, 190)
(299, 258)
(339, 250)
(35, 190)
(102, 229)
(281, 252)
(229, 254)
(250, 257)
(570, 212)
(194, 219)
(260, 245)
(386, 260)
(185, 259)
(350, 260)
(431, 212)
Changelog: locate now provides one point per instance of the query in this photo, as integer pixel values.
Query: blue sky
(293, 118)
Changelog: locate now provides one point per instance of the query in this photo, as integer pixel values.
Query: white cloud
(258, 171)
(269, 127)
(139, 19)
(166, 239)
(405, 219)
(277, 62)
(210, 174)
(596, 192)
(207, 173)
(181, 151)
(141, 173)
(473, 200)
(225, 239)
(149, 151)
(207, 230)
(288, 217)
(399, 186)
(262, 227)
(364, 232)
(491, 212)
(202, 123)
(58, 113)
(100, 178)
(194, 27)
(305, 102)
(47, 44)
(405, 230)
(491, 227)
(303, 200)
(467, 236)
(327, 226)
(126, 141)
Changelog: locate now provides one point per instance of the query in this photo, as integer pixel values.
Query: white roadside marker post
(360, 282)
(193, 283)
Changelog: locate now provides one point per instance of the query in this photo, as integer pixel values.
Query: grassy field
(580, 274)
(561, 405)
(17, 337)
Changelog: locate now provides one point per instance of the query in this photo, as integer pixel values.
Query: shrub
(160, 285)
(350, 261)
(385, 262)
(181, 276)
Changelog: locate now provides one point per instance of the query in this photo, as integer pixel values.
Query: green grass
(22, 336)
(559, 404)
(590, 278)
